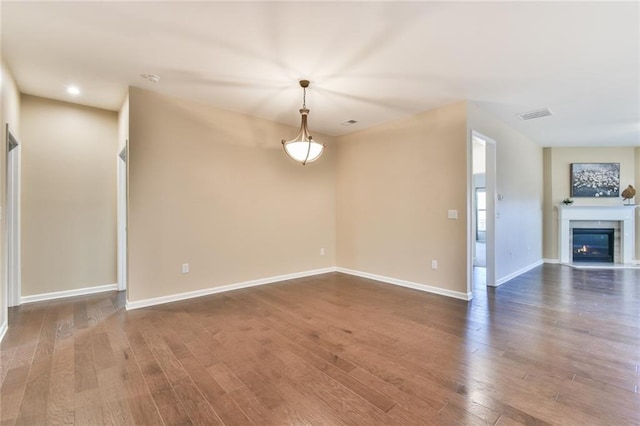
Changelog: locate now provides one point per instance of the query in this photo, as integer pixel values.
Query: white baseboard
(68, 293)
(409, 284)
(213, 290)
(512, 275)
(551, 261)
(3, 330)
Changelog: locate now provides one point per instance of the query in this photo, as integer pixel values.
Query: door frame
(122, 217)
(491, 197)
(13, 251)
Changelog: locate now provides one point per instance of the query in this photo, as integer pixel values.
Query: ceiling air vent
(545, 112)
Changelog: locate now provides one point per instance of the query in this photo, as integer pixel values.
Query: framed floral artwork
(595, 179)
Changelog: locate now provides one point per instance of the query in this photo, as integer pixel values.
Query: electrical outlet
(434, 264)
(321, 252)
(185, 268)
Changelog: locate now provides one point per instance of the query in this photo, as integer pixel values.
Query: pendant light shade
(303, 148)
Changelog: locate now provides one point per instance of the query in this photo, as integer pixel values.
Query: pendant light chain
(304, 98)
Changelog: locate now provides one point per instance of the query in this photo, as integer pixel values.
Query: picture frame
(595, 180)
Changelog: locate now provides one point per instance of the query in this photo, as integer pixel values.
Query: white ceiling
(368, 61)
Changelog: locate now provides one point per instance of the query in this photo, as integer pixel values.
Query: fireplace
(593, 244)
(569, 217)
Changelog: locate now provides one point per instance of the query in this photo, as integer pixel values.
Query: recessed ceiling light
(73, 90)
(151, 77)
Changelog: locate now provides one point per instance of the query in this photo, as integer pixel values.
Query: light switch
(452, 214)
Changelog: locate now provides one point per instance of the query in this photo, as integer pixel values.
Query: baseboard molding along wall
(551, 261)
(518, 272)
(3, 330)
(408, 284)
(68, 293)
(221, 289)
(213, 290)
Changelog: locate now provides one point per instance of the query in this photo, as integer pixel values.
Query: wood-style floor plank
(555, 346)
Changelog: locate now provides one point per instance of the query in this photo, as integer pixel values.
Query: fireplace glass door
(593, 245)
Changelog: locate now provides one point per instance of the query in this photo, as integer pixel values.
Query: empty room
(319, 213)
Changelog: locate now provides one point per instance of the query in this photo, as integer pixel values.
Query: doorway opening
(480, 259)
(481, 240)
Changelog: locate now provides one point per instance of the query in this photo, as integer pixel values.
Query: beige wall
(68, 196)
(557, 175)
(214, 189)
(395, 184)
(519, 181)
(9, 113)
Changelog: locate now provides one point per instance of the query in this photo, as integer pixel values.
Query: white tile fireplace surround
(624, 215)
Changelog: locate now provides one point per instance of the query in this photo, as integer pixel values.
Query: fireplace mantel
(623, 214)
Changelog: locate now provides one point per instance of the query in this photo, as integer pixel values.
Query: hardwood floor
(554, 346)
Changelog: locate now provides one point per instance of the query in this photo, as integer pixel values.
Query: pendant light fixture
(303, 148)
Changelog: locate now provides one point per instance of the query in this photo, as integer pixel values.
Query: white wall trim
(518, 272)
(409, 284)
(551, 261)
(121, 222)
(3, 330)
(213, 290)
(13, 241)
(68, 293)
